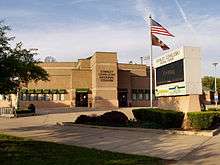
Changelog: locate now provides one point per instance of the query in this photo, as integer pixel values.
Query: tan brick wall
(86, 74)
(133, 76)
(104, 79)
(81, 79)
(45, 104)
(58, 64)
(135, 69)
(140, 82)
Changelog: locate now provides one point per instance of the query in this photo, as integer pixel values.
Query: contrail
(184, 16)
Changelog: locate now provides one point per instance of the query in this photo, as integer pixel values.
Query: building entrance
(81, 99)
(122, 99)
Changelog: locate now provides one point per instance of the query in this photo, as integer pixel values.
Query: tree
(50, 59)
(17, 65)
(208, 82)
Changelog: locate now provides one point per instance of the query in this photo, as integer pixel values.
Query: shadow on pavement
(166, 146)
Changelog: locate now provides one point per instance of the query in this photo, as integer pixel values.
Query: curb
(208, 133)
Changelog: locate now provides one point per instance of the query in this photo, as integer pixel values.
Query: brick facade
(97, 81)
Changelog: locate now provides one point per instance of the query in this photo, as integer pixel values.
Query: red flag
(157, 42)
(156, 28)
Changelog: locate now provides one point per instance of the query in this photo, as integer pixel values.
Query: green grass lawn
(19, 151)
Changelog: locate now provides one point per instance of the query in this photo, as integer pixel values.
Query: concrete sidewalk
(184, 149)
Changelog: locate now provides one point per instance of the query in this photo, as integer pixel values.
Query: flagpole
(151, 72)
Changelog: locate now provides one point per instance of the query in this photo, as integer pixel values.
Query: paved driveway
(184, 149)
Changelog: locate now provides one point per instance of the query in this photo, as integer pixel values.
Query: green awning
(54, 91)
(31, 91)
(23, 91)
(82, 90)
(38, 91)
(62, 91)
(46, 91)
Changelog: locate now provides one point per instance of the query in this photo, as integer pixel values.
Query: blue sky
(72, 29)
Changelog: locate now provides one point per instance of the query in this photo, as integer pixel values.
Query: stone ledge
(209, 133)
(7, 115)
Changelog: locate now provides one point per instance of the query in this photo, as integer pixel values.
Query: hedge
(23, 111)
(113, 118)
(85, 119)
(203, 120)
(166, 118)
(213, 109)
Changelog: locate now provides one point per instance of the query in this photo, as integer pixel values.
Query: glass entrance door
(122, 99)
(81, 99)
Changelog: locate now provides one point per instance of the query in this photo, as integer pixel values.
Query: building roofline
(105, 52)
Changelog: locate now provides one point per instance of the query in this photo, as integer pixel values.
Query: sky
(73, 29)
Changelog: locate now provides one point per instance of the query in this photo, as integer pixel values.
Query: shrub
(165, 118)
(85, 119)
(203, 120)
(114, 118)
(213, 109)
(23, 111)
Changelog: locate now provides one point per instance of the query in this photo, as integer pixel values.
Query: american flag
(156, 28)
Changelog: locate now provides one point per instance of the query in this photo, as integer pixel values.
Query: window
(55, 97)
(47, 97)
(140, 96)
(24, 97)
(41, 97)
(147, 96)
(134, 96)
(28, 97)
(35, 96)
(31, 97)
(61, 97)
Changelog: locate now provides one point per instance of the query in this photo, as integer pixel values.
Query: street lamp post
(216, 92)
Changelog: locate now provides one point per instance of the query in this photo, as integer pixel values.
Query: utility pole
(216, 92)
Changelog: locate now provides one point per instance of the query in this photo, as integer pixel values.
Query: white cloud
(71, 43)
(183, 14)
(199, 30)
(131, 40)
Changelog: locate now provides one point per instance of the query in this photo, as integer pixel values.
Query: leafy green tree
(17, 64)
(208, 82)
